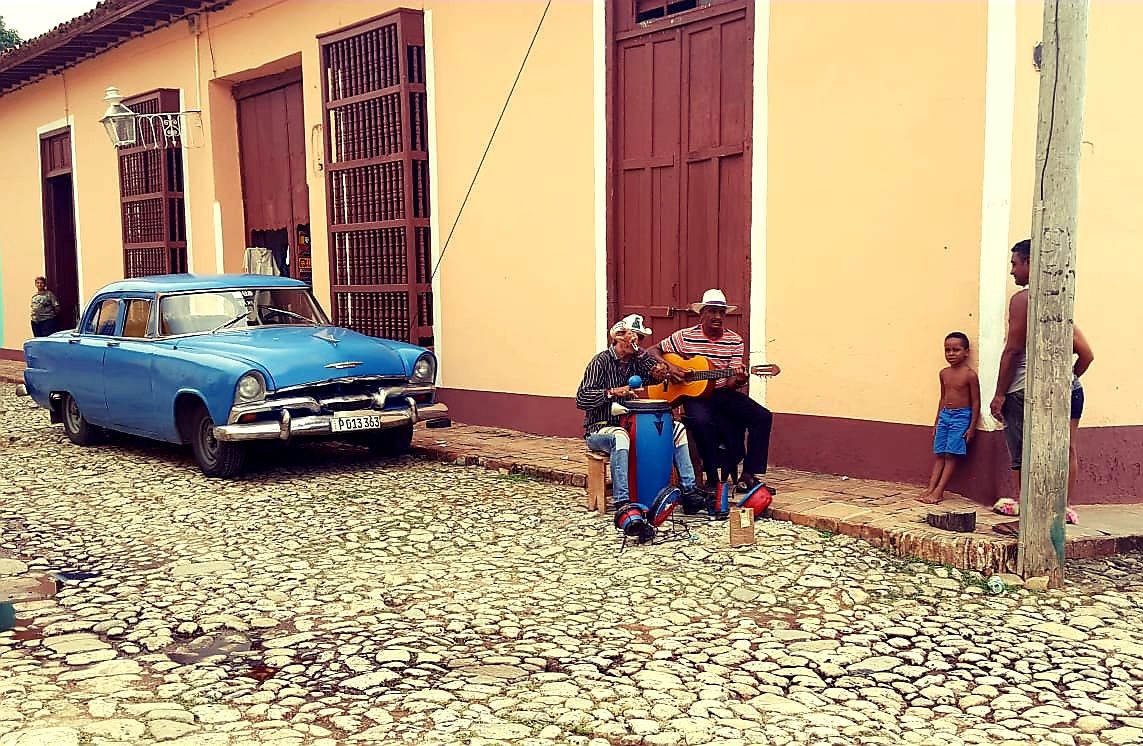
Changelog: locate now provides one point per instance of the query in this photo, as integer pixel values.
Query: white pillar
(996, 208)
(758, 183)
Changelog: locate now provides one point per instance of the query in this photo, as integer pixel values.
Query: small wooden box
(963, 521)
(741, 527)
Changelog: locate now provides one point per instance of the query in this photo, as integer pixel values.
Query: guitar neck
(710, 375)
(713, 375)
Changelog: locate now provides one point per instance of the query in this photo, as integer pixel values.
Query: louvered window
(377, 176)
(151, 193)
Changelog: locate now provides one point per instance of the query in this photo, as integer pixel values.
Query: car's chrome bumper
(287, 427)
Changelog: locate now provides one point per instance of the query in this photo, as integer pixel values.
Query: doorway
(272, 157)
(680, 89)
(61, 268)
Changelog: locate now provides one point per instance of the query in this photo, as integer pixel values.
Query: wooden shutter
(377, 176)
(151, 192)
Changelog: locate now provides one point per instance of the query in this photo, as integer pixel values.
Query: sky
(30, 18)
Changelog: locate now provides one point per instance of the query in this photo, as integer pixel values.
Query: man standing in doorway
(728, 414)
(1008, 403)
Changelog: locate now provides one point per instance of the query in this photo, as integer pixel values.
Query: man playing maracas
(606, 380)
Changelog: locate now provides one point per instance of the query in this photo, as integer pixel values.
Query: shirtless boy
(957, 415)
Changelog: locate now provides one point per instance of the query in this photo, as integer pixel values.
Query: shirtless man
(1008, 403)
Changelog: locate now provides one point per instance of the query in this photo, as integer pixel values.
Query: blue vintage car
(218, 361)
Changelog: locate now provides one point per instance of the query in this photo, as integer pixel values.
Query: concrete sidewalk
(11, 371)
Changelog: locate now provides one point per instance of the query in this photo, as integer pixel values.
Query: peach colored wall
(1109, 262)
(21, 240)
(95, 181)
(874, 200)
(519, 275)
(523, 254)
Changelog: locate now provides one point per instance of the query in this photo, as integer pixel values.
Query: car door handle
(73, 341)
(112, 344)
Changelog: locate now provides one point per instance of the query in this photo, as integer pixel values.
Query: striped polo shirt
(721, 352)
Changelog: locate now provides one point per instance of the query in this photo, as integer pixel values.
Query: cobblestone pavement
(332, 599)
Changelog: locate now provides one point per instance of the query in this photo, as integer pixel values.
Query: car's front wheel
(393, 441)
(215, 457)
(75, 425)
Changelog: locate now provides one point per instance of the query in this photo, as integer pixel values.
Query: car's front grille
(346, 395)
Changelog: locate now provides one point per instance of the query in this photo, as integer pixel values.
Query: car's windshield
(217, 310)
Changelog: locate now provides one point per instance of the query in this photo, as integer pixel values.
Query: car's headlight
(425, 370)
(251, 387)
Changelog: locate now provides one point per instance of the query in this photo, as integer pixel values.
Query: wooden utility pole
(1044, 479)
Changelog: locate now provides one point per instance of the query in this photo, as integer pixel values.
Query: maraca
(635, 382)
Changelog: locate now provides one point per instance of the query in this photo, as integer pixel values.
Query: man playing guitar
(727, 415)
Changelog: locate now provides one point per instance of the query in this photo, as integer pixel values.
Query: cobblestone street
(330, 598)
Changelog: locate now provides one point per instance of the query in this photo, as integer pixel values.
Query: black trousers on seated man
(721, 418)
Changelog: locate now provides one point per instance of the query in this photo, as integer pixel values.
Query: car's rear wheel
(76, 427)
(393, 441)
(216, 458)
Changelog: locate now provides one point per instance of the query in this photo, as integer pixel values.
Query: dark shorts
(44, 328)
(952, 425)
(1013, 412)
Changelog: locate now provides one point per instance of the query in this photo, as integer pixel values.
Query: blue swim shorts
(952, 424)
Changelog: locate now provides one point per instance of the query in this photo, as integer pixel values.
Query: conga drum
(651, 429)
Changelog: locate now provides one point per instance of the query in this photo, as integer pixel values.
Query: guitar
(699, 380)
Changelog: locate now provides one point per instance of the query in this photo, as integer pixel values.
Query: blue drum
(652, 433)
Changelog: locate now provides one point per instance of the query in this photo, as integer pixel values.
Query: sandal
(1008, 528)
(1007, 506)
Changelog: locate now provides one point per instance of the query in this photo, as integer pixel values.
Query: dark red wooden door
(60, 267)
(272, 147)
(681, 147)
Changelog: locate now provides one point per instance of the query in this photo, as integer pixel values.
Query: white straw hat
(712, 297)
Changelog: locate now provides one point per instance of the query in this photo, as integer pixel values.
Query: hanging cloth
(259, 261)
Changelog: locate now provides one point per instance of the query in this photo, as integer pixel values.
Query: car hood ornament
(344, 364)
(327, 336)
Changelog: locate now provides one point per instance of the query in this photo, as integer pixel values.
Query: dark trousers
(726, 418)
(43, 328)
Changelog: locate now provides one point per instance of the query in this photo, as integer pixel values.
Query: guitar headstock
(769, 369)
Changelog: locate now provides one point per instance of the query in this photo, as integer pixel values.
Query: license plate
(349, 423)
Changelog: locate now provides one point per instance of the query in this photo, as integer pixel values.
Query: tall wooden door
(680, 138)
(272, 151)
(61, 268)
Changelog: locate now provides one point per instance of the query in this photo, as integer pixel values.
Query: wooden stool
(597, 481)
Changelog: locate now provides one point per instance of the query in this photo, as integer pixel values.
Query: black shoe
(748, 483)
(695, 501)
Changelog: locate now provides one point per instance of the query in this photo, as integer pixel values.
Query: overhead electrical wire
(480, 165)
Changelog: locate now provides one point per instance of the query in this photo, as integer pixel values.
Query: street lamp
(119, 120)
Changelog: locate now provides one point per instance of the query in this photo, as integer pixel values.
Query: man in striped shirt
(605, 381)
(727, 416)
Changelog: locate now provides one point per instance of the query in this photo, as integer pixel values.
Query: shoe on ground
(695, 501)
(750, 481)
